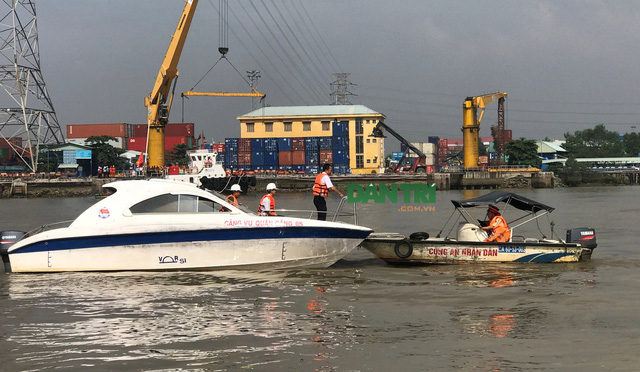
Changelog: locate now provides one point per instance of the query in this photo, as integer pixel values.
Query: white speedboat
(469, 245)
(166, 225)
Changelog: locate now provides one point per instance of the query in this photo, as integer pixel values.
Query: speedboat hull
(269, 248)
(396, 248)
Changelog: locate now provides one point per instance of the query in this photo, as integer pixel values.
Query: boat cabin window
(170, 203)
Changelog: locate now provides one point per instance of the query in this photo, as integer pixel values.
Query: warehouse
(365, 155)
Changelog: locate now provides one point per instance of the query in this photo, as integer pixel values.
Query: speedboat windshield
(495, 197)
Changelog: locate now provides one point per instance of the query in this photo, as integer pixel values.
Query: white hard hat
(271, 186)
(235, 187)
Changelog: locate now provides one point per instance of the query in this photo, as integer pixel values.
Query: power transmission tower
(340, 94)
(253, 76)
(27, 117)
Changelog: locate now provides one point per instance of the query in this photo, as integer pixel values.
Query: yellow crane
(471, 125)
(159, 101)
(224, 94)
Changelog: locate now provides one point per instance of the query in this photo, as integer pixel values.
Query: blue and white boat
(167, 225)
(466, 242)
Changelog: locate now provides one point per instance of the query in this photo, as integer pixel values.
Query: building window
(326, 126)
(359, 128)
(287, 126)
(375, 160)
(374, 140)
(368, 140)
(306, 126)
(250, 127)
(368, 161)
(359, 161)
(373, 121)
(367, 121)
(268, 127)
(359, 145)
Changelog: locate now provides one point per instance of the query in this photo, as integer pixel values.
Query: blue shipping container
(339, 142)
(231, 144)
(270, 144)
(312, 169)
(341, 169)
(257, 158)
(299, 168)
(311, 144)
(284, 144)
(340, 156)
(257, 144)
(271, 158)
(434, 139)
(340, 128)
(312, 157)
(285, 167)
(325, 143)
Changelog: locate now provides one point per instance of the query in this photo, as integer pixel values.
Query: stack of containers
(285, 155)
(298, 153)
(443, 151)
(257, 153)
(244, 153)
(436, 141)
(231, 153)
(312, 154)
(340, 147)
(219, 148)
(270, 153)
(325, 145)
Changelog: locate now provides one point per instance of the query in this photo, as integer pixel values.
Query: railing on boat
(46, 227)
(333, 215)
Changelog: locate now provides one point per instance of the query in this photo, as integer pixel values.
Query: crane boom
(224, 94)
(418, 164)
(471, 125)
(159, 101)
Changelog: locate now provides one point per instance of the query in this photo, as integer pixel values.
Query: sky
(565, 65)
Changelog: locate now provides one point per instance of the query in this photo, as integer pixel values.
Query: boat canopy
(495, 197)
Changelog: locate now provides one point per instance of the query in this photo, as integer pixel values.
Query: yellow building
(366, 154)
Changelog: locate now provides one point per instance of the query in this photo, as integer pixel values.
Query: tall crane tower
(27, 116)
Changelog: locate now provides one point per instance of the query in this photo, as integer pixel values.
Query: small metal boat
(469, 245)
(166, 225)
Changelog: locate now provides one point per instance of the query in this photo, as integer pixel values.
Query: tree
(594, 143)
(631, 143)
(179, 155)
(523, 152)
(106, 154)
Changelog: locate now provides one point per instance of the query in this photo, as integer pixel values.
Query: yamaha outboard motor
(7, 239)
(585, 236)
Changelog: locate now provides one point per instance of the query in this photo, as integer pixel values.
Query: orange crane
(471, 126)
(159, 101)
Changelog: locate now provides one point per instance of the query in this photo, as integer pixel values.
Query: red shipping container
(430, 169)
(137, 144)
(217, 147)
(297, 144)
(179, 130)
(169, 142)
(139, 130)
(298, 157)
(508, 135)
(7, 142)
(326, 156)
(285, 158)
(244, 158)
(88, 130)
(244, 145)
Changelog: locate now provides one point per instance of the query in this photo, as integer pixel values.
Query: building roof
(325, 110)
(545, 147)
(597, 160)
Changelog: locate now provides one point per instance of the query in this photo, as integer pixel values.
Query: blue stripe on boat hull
(192, 236)
(542, 257)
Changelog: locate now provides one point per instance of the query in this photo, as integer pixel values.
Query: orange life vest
(272, 204)
(232, 200)
(319, 188)
(500, 232)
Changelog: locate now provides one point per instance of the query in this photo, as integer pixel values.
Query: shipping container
(271, 158)
(284, 144)
(312, 157)
(298, 167)
(257, 158)
(508, 135)
(137, 144)
(341, 169)
(8, 142)
(5, 153)
(217, 147)
(244, 144)
(231, 144)
(118, 142)
(285, 167)
(139, 130)
(244, 158)
(443, 143)
(270, 144)
(312, 169)
(179, 130)
(433, 139)
(326, 157)
(285, 158)
(396, 156)
(311, 144)
(493, 156)
(297, 143)
(257, 144)
(170, 142)
(325, 143)
(340, 128)
(298, 157)
(430, 169)
(483, 159)
(340, 156)
(89, 130)
(339, 142)
(231, 159)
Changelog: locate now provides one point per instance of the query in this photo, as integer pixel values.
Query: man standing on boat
(498, 229)
(321, 189)
(233, 197)
(267, 205)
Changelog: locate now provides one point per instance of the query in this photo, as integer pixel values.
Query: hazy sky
(566, 65)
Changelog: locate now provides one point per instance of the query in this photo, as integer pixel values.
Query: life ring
(401, 250)
(420, 235)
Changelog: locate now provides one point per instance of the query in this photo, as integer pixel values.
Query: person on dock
(498, 229)
(267, 205)
(321, 189)
(233, 197)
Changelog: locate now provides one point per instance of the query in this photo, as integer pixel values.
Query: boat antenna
(445, 225)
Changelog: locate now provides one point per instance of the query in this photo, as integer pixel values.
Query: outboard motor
(7, 239)
(585, 236)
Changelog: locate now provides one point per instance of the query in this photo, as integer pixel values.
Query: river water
(358, 315)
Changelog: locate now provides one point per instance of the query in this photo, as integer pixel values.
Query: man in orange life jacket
(233, 197)
(321, 189)
(498, 229)
(267, 203)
